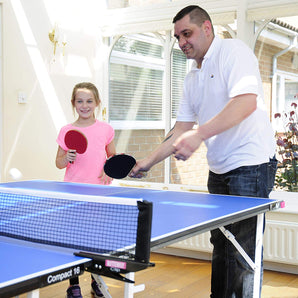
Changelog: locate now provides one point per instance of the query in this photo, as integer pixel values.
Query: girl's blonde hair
(89, 86)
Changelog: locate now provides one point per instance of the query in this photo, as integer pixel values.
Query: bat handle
(72, 151)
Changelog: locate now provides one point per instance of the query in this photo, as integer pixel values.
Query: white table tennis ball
(15, 174)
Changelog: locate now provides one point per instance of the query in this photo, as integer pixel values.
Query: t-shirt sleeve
(60, 138)
(244, 79)
(110, 134)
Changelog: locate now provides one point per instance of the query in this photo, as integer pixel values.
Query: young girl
(86, 167)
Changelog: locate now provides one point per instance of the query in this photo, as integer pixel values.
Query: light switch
(22, 97)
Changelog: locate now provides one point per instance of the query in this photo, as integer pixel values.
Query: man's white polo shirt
(229, 69)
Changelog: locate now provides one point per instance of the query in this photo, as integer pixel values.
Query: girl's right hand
(71, 155)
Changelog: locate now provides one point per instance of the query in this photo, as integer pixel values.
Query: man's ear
(207, 27)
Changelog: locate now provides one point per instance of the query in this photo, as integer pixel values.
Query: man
(223, 94)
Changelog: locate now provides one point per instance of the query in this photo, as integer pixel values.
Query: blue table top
(27, 265)
(176, 215)
(173, 211)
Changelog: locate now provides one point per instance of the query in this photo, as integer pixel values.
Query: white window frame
(278, 97)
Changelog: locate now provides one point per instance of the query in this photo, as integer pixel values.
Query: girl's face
(85, 103)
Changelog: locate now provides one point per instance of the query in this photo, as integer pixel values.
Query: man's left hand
(187, 144)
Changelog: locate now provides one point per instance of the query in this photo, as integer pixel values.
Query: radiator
(280, 243)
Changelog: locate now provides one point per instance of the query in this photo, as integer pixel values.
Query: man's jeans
(231, 275)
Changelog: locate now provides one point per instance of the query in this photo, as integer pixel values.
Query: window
(137, 82)
(278, 62)
(286, 94)
(135, 93)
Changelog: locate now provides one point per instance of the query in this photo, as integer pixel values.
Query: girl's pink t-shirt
(88, 166)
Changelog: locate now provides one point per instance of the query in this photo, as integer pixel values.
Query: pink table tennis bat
(76, 140)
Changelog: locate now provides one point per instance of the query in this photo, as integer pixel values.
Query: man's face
(193, 40)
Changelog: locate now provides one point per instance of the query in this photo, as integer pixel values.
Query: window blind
(136, 83)
(135, 93)
(179, 69)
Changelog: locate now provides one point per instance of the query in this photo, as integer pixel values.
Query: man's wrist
(201, 133)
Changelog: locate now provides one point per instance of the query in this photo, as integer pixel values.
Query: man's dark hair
(197, 15)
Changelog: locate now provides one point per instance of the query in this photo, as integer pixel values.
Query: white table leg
(258, 255)
(257, 264)
(33, 294)
(102, 285)
(129, 288)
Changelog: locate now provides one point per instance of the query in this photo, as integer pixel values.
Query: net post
(142, 251)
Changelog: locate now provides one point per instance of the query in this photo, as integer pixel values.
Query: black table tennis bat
(119, 166)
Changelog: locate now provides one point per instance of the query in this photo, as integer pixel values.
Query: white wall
(28, 134)
(29, 130)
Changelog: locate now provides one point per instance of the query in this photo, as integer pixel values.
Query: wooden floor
(178, 277)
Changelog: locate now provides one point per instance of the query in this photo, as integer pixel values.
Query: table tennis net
(80, 225)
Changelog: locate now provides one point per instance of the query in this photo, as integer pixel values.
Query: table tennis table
(176, 215)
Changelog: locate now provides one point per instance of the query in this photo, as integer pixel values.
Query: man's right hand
(140, 169)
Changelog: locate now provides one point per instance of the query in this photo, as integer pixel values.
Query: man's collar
(213, 46)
